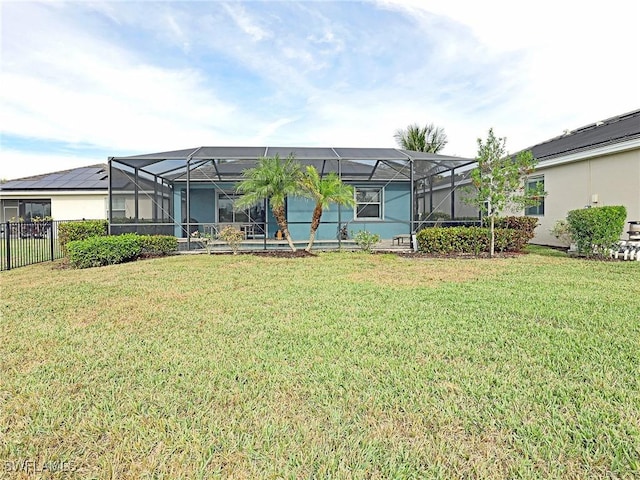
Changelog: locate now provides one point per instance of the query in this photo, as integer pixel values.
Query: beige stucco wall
(145, 207)
(79, 205)
(76, 207)
(67, 205)
(614, 178)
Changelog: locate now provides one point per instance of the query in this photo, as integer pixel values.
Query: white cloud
(99, 94)
(246, 22)
(578, 60)
(133, 77)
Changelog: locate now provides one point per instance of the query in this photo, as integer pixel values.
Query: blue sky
(84, 81)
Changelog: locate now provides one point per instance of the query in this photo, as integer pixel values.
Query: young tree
(430, 139)
(324, 191)
(498, 181)
(274, 179)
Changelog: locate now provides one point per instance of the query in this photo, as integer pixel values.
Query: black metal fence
(26, 243)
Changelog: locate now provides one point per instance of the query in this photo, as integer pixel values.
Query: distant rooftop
(618, 129)
(94, 177)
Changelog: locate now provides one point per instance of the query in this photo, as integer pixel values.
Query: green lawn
(343, 365)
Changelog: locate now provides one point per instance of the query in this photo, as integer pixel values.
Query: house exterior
(65, 195)
(194, 189)
(75, 194)
(595, 165)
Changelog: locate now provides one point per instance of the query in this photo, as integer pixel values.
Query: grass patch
(545, 251)
(342, 365)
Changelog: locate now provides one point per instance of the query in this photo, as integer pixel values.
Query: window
(118, 206)
(368, 204)
(227, 214)
(536, 183)
(30, 209)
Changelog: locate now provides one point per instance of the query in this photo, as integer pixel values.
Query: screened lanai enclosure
(191, 193)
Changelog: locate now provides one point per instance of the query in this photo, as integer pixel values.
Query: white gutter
(596, 152)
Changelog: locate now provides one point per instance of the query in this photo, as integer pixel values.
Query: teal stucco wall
(396, 204)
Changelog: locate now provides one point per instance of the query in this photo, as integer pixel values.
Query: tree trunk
(492, 250)
(281, 218)
(315, 223)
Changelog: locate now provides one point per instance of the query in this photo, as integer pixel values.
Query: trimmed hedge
(158, 244)
(596, 229)
(472, 240)
(527, 224)
(99, 251)
(72, 231)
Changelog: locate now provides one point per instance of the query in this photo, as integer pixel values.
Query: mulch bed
(282, 253)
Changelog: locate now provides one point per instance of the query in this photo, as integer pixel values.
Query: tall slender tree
(499, 181)
(324, 191)
(274, 179)
(430, 139)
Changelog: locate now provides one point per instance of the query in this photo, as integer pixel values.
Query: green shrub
(596, 229)
(158, 244)
(526, 224)
(99, 251)
(365, 240)
(473, 240)
(72, 231)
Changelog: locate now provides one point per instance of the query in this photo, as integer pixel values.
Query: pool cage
(191, 192)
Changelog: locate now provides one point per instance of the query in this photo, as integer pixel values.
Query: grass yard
(343, 365)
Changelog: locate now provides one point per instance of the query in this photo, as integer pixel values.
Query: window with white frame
(368, 203)
(118, 205)
(535, 184)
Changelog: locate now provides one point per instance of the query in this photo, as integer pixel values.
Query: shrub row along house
(184, 191)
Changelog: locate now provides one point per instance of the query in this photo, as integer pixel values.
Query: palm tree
(324, 190)
(430, 139)
(273, 179)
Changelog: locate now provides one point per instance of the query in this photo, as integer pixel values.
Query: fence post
(51, 240)
(7, 236)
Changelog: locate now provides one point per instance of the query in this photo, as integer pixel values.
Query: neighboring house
(69, 195)
(66, 195)
(194, 188)
(595, 165)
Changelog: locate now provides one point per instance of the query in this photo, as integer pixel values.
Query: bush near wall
(473, 240)
(72, 231)
(596, 229)
(158, 244)
(526, 224)
(110, 250)
(99, 251)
